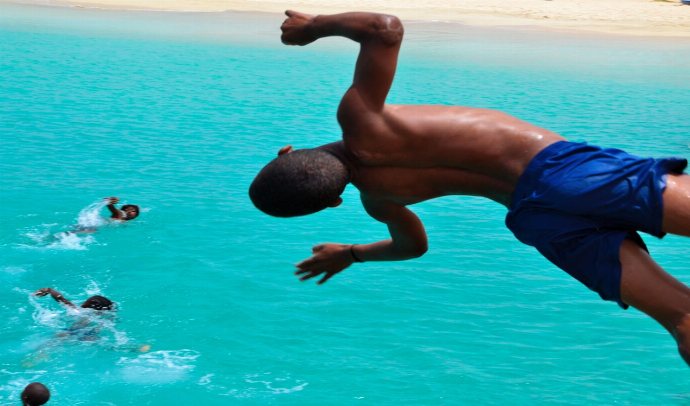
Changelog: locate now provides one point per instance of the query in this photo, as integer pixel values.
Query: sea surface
(177, 112)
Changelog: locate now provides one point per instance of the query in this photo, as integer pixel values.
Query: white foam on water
(106, 323)
(90, 216)
(93, 289)
(13, 270)
(45, 239)
(88, 219)
(68, 241)
(272, 387)
(206, 379)
(40, 236)
(158, 366)
(12, 390)
(44, 316)
(65, 317)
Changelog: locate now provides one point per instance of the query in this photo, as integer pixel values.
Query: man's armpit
(382, 210)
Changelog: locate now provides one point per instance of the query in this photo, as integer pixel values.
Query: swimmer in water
(94, 302)
(580, 206)
(125, 213)
(85, 329)
(35, 394)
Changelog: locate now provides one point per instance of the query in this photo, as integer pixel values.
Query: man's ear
(285, 150)
(336, 203)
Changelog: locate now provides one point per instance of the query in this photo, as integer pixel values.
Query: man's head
(35, 394)
(299, 183)
(97, 303)
(131, 211)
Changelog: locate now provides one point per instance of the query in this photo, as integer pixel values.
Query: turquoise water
(177, 112)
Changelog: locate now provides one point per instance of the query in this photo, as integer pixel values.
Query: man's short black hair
(299, 183)
(98, 303)
(126, 206)
(35, 394)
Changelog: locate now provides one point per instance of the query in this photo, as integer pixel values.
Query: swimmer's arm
(408, 236)
(116, 213)
(379, 36)
(55, 295)
(408, 240)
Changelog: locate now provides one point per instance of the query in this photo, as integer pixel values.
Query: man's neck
(338, 150)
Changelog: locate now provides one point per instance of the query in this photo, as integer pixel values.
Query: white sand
(634, 17)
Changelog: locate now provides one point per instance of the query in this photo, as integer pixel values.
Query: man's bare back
(415, 153)
(401, 155)
(449, 149)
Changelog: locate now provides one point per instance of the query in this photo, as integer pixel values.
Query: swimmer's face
(130, 213)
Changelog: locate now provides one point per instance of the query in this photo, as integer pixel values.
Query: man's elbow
(389, 29)
(418, 251)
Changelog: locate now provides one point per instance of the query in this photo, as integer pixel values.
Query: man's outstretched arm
(55, 295)
(379, 35)
(408, 240)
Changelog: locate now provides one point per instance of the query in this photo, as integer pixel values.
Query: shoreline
(642, 18)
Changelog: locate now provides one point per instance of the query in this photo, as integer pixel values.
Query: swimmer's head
(299, 183)
(131, 211)
(35, 394)
(98, 303)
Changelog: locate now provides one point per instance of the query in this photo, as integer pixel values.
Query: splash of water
(158, 366)
(43, 316)
(15, 386)
(88, 220)
(61, 323)
(93, 289)
(90, 216)
(270, 385)
(69, 241)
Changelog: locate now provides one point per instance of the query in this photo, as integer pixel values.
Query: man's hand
(42, 292)
(296, 29)
(116, 214)
(328, 258)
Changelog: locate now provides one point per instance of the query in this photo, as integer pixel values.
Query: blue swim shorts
(576, 203)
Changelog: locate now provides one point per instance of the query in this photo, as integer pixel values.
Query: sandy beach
(669, 18)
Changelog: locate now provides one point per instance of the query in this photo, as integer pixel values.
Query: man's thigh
(581, 246)
(676, 217)
(648, 288)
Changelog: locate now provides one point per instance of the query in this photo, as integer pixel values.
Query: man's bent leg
(650, 289)
(676, 197)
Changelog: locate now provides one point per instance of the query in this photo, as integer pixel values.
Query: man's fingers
(317, 248)
(309, 276)
(306, 264)
(301, 271)
(325, 278)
